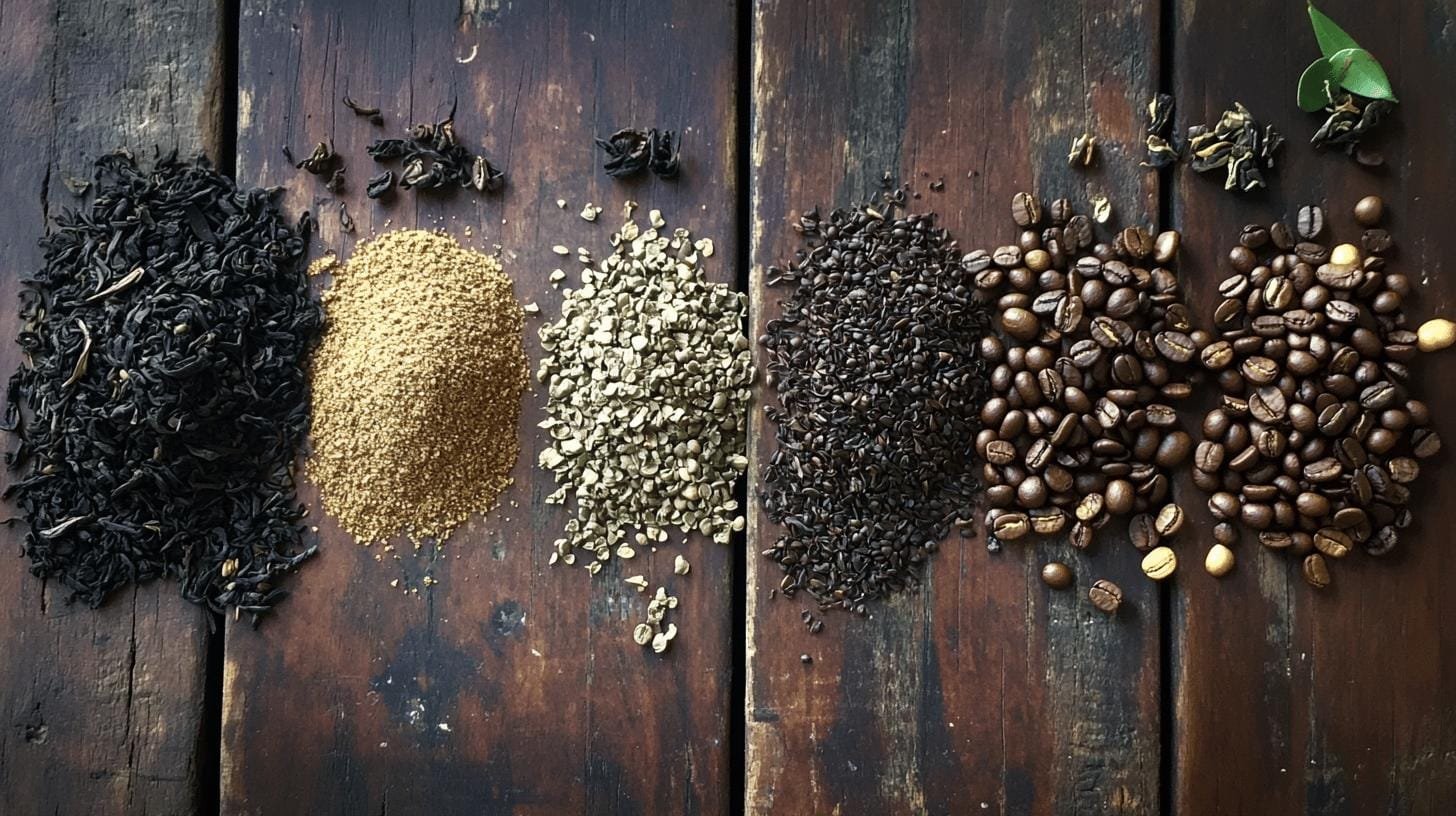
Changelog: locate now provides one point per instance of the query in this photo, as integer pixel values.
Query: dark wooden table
(509, 687)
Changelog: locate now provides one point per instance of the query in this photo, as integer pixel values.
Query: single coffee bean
(1165, 246)
(1344, 255)
(1020, 324)
(1048, 520)
(1436, 334)
(1160, 563)
(1369, 210)
(1311, 253)
(1169, 520)
(1010, 526)
(1175, 346)
(1000, 452)
(1056, 575)
(1219, 561)
(1282, 236)
(1377, 241)
(1323, 470)
(1254, 236)
(1173, 449)
(1333, 542)
(1404, 469)
(1316, 571)
(1081, 536)
(1025, 210)
(1105, 595)
(1425, 443)
(1223, 505)
(1242, 259)
(1310, 222)
(1119, 496)
(1142, 532)
(1225, 533)
(1260, 370)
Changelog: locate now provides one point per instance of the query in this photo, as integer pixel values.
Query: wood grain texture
(342, 704)
(1290, 700)
(984, 692)
(100, 711)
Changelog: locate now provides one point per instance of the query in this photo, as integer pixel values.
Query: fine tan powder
(417, 386)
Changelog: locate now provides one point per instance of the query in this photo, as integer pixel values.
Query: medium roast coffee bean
(1025, 210)
(1369, 210)
(1141, 531)
(1057, 575)
(1316, 571)
(1105, 595)
(1169, 520)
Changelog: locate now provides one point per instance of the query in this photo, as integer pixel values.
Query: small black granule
(879, 382)
(160, 400)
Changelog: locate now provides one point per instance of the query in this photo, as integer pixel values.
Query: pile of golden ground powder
(416, 387)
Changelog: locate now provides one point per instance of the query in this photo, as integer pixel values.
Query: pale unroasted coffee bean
(1219, 561)
(1160, 563)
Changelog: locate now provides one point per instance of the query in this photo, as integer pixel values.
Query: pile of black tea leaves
(160, 399)
(878, 382)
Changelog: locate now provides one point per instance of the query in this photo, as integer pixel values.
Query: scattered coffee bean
(1369, 210)
(1219, 561)
(1105, 595)
(1160, 563)
(1316, 571)
(1057, 575)
(1436, 334)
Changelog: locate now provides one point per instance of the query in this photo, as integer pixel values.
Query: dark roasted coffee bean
(1175, 346)
(1057, 575)
(1425, 443)
(1369, 210)
(1169, 520)
(1276, 539)
(1376, 241)
(1310, 222)
(1229, 313)
(1119, 496)
(1256, 516)
(1333, 542)
(1223, 506)
(1268, 404)
(1081, 536)
(1142, 532)
(1105, 595)
(1403, 469)
(1025, 210)
(1316, 571)
(1323, 470)
(1254, 236)
(1242, 259)
(1311, 253)
(1173, 449)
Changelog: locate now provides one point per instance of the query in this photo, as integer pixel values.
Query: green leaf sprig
(1344, 64)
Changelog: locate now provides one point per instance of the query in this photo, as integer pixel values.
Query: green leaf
(1359, 73)
(1313, 93)
(1332, 39)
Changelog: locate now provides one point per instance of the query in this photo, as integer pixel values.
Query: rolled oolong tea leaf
(875, 367)
(161, 399)
(630, 151)
(1238, 145)
(648, 376)
(433, 158)
(372, 114)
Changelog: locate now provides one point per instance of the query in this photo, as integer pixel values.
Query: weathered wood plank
(1290, 700)
(102, 710)
(985, 692)
(339, 704)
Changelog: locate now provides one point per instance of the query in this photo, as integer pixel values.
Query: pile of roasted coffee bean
(1095, 343)
(1317, 436)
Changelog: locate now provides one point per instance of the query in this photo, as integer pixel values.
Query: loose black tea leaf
(372, 114)
(336, 181)
(346, 221)
(1162, 152)
(879, 382)
(321, 161)
(630, 151)
(433, 158)
(664, 150)
(627, 152)
(380, 185)
(160, 401)
(1349, 121)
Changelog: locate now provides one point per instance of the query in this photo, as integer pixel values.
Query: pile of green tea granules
(416, 387)
(648, 377)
